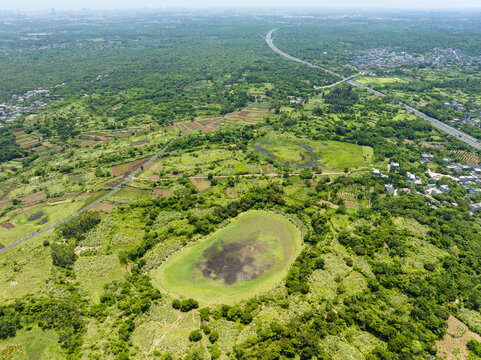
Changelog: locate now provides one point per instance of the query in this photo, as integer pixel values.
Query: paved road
(127, 179)
(434, 122)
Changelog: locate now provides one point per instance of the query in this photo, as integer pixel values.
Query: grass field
(95, 271)
(52, 213)
(329, 154)
(379, 80)
(32, 344)
(249, 256)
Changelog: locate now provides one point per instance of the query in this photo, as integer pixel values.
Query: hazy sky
(130, 4)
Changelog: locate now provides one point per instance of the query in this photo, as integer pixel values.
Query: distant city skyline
(37, 5)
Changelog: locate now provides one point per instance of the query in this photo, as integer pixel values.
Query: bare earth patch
(330, 204)
(35, 216)
(141, 142)
(105, 207)
(200, 184)
(4, 195)
(7, 225)
(453, 345)
(210, 128)
(28, 199)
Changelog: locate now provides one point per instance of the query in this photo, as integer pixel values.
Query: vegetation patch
(453, 345)
(250, 255)
(295, 153)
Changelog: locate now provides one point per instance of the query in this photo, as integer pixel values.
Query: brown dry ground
(87, 143)
(156, 165)
(453, 345)
(130, 167)
(7, 225)
(433, 146)
(184, 128)
(161, 193)
(123, 134)
(39, 148)
(4, 195)
(330, 204)
(2, 246)
(104, 207)
(141, 142)
(211, 128)
(200, 184)
(351, 204)
(31, 198)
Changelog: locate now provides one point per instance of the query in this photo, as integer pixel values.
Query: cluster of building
(467, 176)
(469, 117)
(295, 99)
(388, 58)
(21, 105)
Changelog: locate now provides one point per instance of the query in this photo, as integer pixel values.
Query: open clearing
(249, 256)
(297, 153)
(453, 345)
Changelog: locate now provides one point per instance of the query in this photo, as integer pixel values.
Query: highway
(434, 122)
(120, 186)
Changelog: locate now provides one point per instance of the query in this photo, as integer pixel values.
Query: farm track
(121, 185)
(459, 135)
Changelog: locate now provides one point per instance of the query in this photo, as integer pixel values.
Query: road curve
(120, 186)
(434, 122)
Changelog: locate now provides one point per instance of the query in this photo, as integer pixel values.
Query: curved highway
(434, 122)
(127, 179)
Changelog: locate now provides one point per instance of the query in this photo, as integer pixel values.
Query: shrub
(176, 304)
(195, 335)
(188, 305)
(213, 336)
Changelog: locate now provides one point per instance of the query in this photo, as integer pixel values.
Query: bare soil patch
(123, 134)
(81, 249)
(35, 216)
(4, 195)
(433, 146)
(98, 135)
(209, 121)
(39, 148)
(161, 193)
(352, 204)
(87, 143)
(195, 125)
(141, 142)
(453, 345)
(8, 225)
(28, 199)
(184, 128)
(128, 167)
(211, 128)
(200, 184)
(43, 221)
(330, 204)
(5, 203)
(2, 246)
(134, 165)
(105, 207)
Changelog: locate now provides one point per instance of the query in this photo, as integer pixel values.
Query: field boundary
(121, 185)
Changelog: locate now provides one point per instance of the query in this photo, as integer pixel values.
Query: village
(388, 58)
(431, 183)
(20, 105)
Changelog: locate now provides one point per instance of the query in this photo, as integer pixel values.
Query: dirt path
(5, 194)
